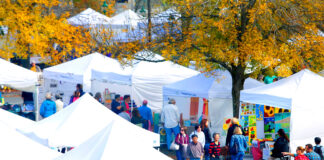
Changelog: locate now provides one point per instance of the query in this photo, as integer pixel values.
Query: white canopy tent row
(81, 120)
(144, 83)
(17, 146)
(114, 142)
(302, 93)
(64, 77)
(89, 18)
(217, 88)
(19, 78)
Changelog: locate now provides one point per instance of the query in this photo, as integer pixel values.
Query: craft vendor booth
(294, 104)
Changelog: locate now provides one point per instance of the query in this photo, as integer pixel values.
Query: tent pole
(132, 99)
(36, 103)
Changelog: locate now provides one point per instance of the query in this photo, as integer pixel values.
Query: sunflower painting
(269, 111)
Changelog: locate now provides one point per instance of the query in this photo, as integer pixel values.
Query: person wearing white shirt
(200, 134)
(170, 117)
(59, 103)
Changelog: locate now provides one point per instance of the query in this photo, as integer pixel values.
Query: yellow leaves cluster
(33, 29)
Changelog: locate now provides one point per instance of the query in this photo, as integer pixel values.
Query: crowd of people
(201, 145)
(197, 145)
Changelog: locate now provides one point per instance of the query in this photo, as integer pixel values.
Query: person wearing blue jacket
(238, 144)
(48, 107)
(146, 113)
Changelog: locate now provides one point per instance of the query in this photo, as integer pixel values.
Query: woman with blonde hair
(238, 144)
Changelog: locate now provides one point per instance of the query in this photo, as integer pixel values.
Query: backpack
(235, 148)
(318, 150)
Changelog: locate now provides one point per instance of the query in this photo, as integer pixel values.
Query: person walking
(214, 148)
(48, 107)
(318, 148)
(146, 113)
(299, 154)
(182, 139)
(195, 149)
(200, 134)
(238, 145)
(280, 145)
(206, 131)
(170, 117)
(136, 118)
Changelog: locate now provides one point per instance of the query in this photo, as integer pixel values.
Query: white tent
(17, 146)
(17, 77)
(303, 94)
(15, 121)
(147, 80)
(89, 18)
(217, 88)
(126, 20)
(114, 142)
(164, 16)
(64, 77)
(79, 121)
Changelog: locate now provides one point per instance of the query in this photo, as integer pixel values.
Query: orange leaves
(34, 30)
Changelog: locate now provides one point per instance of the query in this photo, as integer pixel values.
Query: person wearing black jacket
(204, 128)
(230, 132)
(281, 145)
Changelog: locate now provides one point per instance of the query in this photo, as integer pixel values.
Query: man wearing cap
(170, 117)
(146, 114)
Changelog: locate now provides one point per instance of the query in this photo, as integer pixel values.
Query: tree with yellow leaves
(34, 29)
(241, 35)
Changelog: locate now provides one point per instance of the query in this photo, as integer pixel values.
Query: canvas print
(268, 111)
(244, 121)
(282, 121)
(259, 112)
(252, 134)
(269, 125)
(252, 120)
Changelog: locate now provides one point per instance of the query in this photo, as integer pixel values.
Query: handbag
(174, 146)
(234, 149)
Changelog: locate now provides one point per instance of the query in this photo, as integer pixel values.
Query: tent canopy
(148, 78)
(164, 17)
(89, 18)
(303, 94)
(111, 143)
(15, 121)
(79, 121)
(17, 77)
(79, 70)
(216, 86)
(17, 146)
(280, 93)
(127, 19)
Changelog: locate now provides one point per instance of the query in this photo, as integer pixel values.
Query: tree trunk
(237, 85)
(149, 20)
